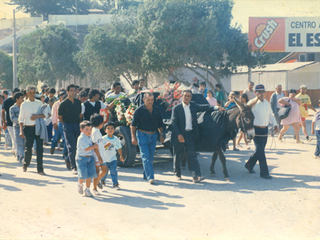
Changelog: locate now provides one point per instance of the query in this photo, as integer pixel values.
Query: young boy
(84, 159)
(99, 153)
(112, 145)
(316, 121)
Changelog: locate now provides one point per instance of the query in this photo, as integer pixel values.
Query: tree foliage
(46, 7)
(114, 50)
(192, 34)
(6, 70)
(47, 55)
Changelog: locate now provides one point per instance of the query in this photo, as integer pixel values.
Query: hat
(259, 87)
(292, 91)
(303, 87)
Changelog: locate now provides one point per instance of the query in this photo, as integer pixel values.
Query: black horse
(240, 117)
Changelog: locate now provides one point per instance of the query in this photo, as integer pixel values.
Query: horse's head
(245, 120)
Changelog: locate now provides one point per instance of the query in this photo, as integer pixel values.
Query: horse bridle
(243, 128)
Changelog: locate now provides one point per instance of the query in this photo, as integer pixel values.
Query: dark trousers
(49, 129)
(190, 147)
(259, 154)
(30, 135)
(317, 152)
(71, 133)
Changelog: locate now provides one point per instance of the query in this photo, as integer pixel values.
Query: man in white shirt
(262, 116)
(185, 134)
(116, 91)
(274, 101)
(27, 120)
(250, 93)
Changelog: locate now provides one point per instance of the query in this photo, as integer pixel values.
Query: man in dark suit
(185, 133)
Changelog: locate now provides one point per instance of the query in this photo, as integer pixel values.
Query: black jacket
(178, 120)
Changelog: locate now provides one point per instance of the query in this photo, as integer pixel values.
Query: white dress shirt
(262, 114)
(187, 113)
(28, 108)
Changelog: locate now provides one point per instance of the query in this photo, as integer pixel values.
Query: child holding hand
(84, 159)
(112, 146)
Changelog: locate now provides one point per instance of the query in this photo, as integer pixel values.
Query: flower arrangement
(105, 114)
(129, 113)
(120, 111)
(170, 95)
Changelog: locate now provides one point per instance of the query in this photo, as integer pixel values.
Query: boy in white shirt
(84, 158)
(99, 156)
(112, 145)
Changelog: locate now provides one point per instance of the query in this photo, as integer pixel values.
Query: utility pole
(14, 49)
(76, 18)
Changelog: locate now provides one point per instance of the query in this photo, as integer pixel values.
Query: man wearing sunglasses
(262, 116)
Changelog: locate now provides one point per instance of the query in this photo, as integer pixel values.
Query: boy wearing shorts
(84, 159)
(99, 156)
(112, 145)
(316, 121)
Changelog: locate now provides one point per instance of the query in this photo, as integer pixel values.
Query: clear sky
(242, 9)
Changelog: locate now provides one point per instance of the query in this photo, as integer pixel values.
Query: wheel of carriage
(128, 150)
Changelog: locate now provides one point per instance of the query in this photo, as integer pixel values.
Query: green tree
(46, 7)
(48, 55)
(114, 50)
(6, 71)
(194, 34)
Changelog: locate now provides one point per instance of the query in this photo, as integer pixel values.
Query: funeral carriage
(216, 128)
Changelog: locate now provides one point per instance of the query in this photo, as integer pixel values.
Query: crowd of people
(72, 120)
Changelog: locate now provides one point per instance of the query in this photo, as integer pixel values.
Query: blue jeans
(147, 144)
(259, 154)
(19, 141)
(86, 167)
(49, 130)
(58, 134)
(71, 133)
(7, 138)
(112, 166)
(317, 152)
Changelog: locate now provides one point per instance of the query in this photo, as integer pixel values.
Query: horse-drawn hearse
(216, 128)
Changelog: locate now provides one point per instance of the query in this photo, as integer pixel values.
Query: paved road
(247, 207)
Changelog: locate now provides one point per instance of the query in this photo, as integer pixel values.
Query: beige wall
(21, 22)
(72, 20)
(270, 80)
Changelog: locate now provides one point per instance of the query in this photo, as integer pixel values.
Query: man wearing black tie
(185, 133)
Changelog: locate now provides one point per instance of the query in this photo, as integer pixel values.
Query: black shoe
(250, 170)
(52, 151)
(266, 177)
(198, 179)
(24, 169)
(68, 165)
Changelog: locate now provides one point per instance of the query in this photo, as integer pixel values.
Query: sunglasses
(261, 91)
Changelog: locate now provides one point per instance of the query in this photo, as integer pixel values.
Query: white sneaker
(80, 188)
(116, 187)
(151, 181)
(316, 157)
(88, 193)
(95, 193)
